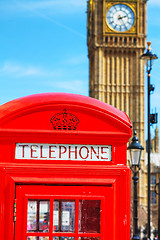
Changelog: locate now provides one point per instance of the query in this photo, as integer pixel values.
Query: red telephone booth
(63, 172)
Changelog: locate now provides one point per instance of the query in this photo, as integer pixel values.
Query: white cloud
(76, 86)
(17, 70)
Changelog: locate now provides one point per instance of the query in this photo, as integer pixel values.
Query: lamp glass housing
(135, 150)
(135, 156)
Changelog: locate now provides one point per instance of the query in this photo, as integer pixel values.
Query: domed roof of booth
(17, 106)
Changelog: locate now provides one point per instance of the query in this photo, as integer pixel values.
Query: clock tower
(116, 38)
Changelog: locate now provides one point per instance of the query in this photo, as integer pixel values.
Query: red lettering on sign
(94, 151)
(73, 151)
(41, 152)
(23, 146)
(51, 151)
(102, 152)
(33, 150)
(62, 152)
(87, 152)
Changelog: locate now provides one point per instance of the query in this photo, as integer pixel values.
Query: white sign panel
(56, 218)
(63, 152)
(65, 218)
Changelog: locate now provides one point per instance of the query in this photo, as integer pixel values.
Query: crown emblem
(64, 121)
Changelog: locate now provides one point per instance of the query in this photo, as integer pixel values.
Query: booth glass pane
(89, 216)
(32, 216)
(37, 238)
(44, 216)
(63, 238)
(64, 216)
(88, 238)
(38, 216)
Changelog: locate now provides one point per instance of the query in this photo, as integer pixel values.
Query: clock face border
(109, 30)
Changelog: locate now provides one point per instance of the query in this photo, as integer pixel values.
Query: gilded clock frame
(108, 30)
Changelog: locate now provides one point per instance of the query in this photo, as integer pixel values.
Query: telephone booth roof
(34, 113)
(58, 148)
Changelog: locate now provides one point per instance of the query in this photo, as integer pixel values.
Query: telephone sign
(62, 152)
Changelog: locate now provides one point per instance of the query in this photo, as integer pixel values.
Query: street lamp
(135, 150)
(148, 57)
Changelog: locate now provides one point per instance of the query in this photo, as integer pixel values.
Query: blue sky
(43, 47)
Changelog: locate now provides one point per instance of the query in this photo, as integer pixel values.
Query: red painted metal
(30, 120)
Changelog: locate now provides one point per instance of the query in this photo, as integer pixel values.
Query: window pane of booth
(88, 238)
(64, 216)
(32, 216)
(44, 216)
(38, 216)
(63, 238)
(37, 238)
(89, 216)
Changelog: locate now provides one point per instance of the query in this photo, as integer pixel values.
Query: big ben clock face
(120, 18)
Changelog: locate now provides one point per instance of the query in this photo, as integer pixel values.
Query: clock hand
(123, 16)
(119, 18)
(123, 23)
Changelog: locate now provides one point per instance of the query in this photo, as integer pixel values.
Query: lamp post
(157, 190)
(148, 57)
(135, 150)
